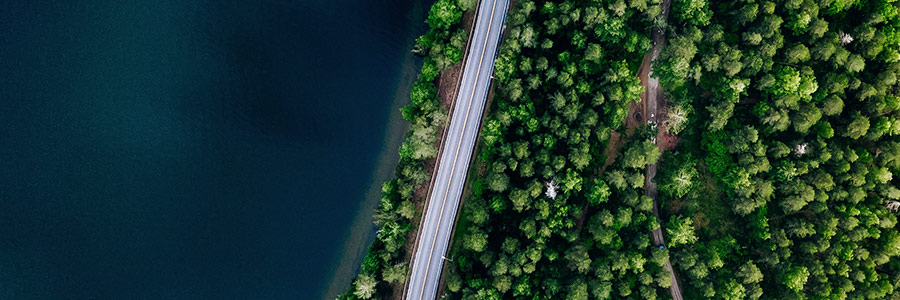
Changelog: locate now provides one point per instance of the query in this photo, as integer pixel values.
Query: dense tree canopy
(555, 227)
(787, 180)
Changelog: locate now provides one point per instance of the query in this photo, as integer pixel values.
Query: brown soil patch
(644, 74)
(636, 116)
(422, 191)
(667, 142)
(449, 81)
(448, 85)
(613, 146)
(637, 111)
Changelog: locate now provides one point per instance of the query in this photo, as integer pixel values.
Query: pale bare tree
(800, 149)
(676, 118)
(893, 206)
(845, 38)
(551, 188)
(365, 286)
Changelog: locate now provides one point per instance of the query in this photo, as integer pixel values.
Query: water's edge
(362, 232)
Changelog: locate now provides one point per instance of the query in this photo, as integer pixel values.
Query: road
(443, 202)
(652, 112)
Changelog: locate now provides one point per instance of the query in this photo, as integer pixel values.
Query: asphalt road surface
(440, 214)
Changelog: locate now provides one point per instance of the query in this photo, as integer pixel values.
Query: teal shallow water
(190, 149)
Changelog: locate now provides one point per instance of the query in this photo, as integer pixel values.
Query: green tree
(749, 273)
(680, 231)
(395, 274)
(641, 154)
(747, 13)
(365, 286)
(659, 256)
(475, 240)
(797, 53)
(578, 290)
(498, 181)
(678, 173)
(806, 117)
(454, 282)
(520, 199)
(593, 53)
(407, 210)
(676, 118)
(663, 278)
(695, 12)
(601, 289)
(855, 63)
(578, 259)
(795, 277)
(858, 127)
(674, 63)
(719, 114)
(467, 5)
(599, 192)
(733, 290)
(444, 14)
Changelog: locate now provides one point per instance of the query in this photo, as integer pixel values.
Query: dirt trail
(652, 108)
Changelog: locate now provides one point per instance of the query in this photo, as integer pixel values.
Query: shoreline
(362, 232)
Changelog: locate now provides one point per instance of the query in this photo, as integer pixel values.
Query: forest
(789, 148)
(780, 185)
(548, 218)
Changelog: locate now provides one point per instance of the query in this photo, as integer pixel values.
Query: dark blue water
(189, 148)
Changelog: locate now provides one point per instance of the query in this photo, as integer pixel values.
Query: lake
(196, 148)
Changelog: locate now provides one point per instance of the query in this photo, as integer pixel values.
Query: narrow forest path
(651, 112)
